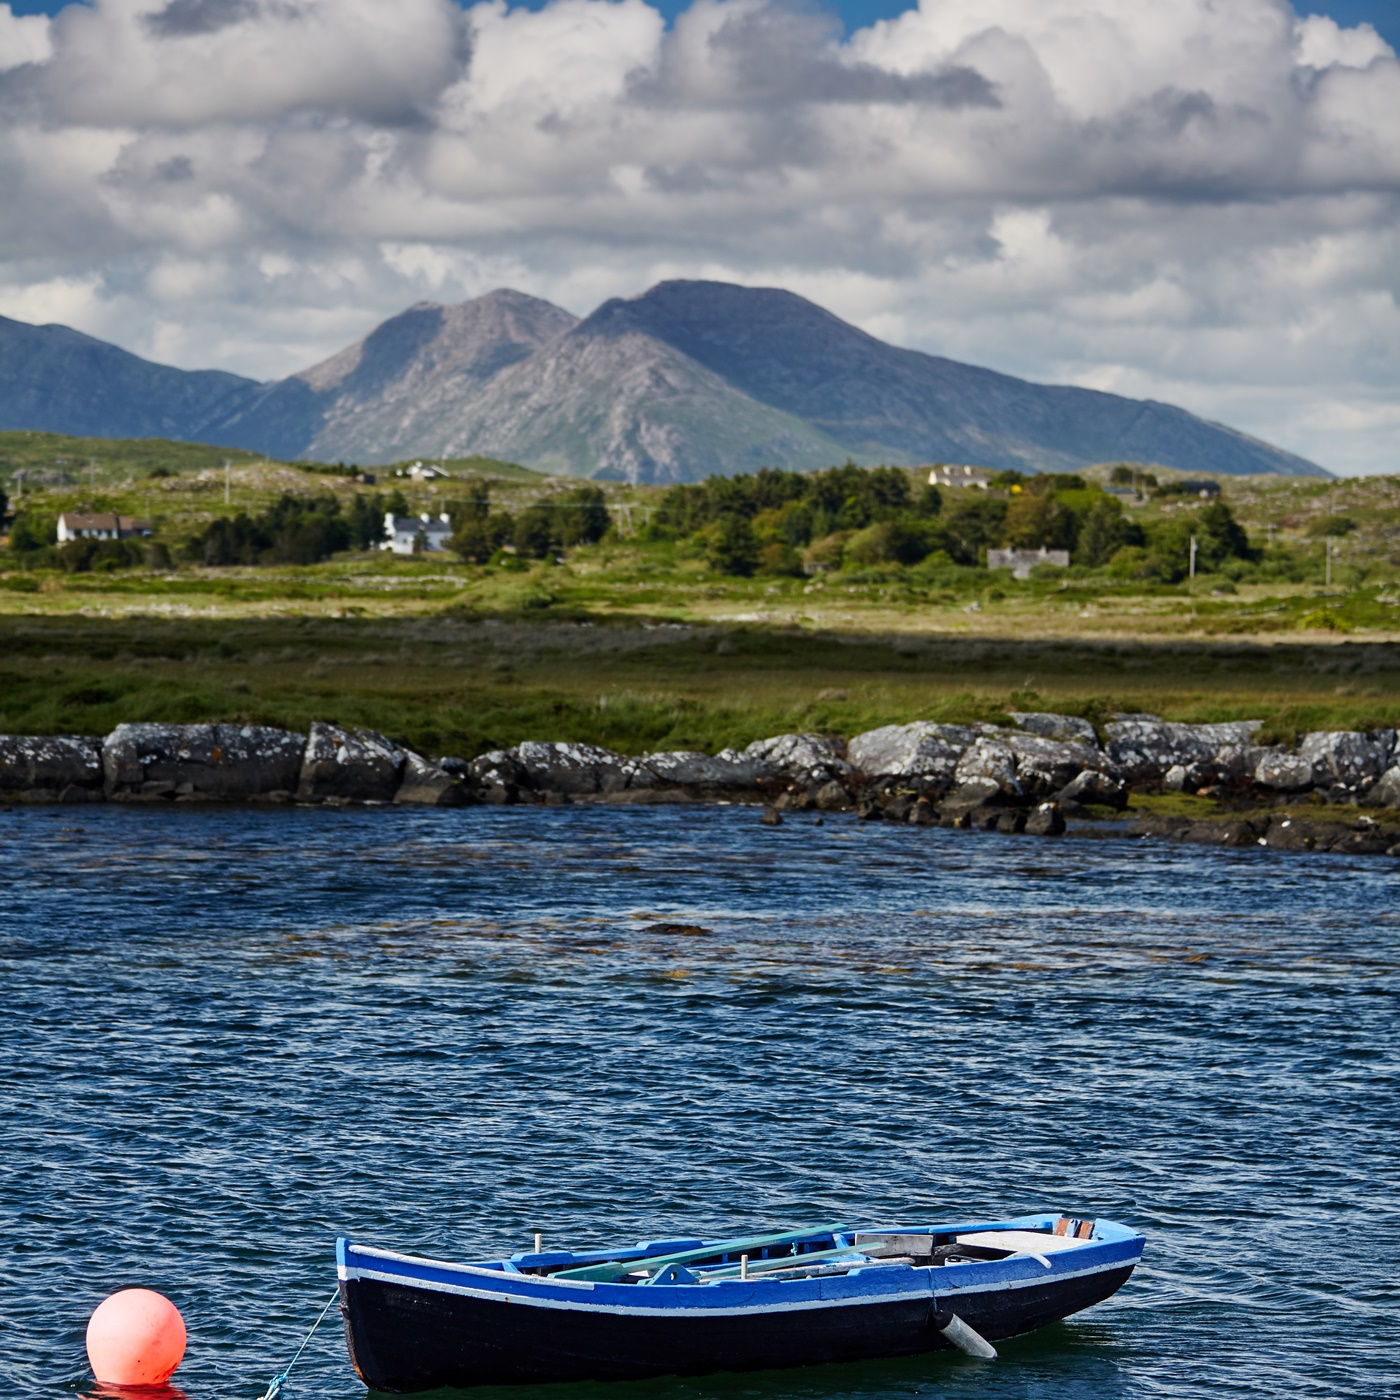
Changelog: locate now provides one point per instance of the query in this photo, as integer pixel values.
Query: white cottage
(73, 525)
(415, 534)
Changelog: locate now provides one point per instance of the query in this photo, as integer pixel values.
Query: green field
(640, 642)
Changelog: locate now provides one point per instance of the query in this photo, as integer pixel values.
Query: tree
(583, 516)
(1220, 537)
(31, 532)
(1038, 521)
(366, 520)
(535, 530)
(975, 525)
(1105, 530)
(734, 548)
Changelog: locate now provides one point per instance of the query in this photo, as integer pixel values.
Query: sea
(229, 1036)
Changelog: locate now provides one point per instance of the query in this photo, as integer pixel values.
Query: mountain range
(688, 380)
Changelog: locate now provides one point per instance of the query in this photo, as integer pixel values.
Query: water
(231, 1035)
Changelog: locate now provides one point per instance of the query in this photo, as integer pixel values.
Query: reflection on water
(237, 1034)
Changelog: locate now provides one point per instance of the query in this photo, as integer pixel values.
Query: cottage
(1022, 561)
(75, 526)
(415, 534)
(425, 471)
(945, 475)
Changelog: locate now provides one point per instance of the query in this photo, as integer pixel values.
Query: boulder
(1385, 792)
(349, 765)
(1045, 765)
(1146, 746)
(1347, 758)
(988, 761)
(807, 757)
(201, 762)
(1283, 771)
(580, 770)
(1093, 786)
(919, 750)
(426, 784)
(1050, 726)
(496, 776)
(41, 764)
(703, 775)
(1046, 820)
(975, 793)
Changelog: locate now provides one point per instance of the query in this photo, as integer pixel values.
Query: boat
(745, 1303)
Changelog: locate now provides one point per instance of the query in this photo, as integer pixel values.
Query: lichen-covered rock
(1046, 820)
(49, 763)
(580, 770)
(1283, 771)
(1347, 758)
(703, 774)
(919, 750)
(349, 765)
(807, 757)
(496, 776)
(1051, 726)
(201, 762)
(988, 760)
(1045, 765)
(1094, 787)
(1146, 746)
(425, 784)
(1385, 792)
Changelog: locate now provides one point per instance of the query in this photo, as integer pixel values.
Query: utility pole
(1193, 556)
(1328, 543)
(228, 481)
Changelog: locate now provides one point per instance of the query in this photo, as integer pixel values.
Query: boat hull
(462, 1328)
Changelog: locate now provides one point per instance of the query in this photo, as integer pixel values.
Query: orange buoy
(136, 1337)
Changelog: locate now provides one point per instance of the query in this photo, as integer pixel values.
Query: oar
(613, 1269)
(789, 1261)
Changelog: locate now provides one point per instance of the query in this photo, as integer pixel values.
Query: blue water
(230, 1035)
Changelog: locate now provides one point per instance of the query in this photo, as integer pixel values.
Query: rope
(274, 1389)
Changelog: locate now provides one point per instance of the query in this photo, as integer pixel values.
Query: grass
(453, 684)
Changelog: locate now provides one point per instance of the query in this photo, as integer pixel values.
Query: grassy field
(644, 646)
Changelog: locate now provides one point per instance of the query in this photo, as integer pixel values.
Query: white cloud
(1185, 199)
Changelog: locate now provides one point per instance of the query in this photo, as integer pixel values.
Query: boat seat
(1022, 1241)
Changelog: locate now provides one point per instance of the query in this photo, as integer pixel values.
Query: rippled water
(231, 1035)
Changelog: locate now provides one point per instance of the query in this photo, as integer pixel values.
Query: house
(945, 475)
(74, 526)
(1022, 561)
(415, 534)
(1204, 489)
(425, 471)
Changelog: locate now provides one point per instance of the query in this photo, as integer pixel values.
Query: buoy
(136, 1337)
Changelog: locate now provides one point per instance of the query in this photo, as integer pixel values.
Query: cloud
(1196, 200)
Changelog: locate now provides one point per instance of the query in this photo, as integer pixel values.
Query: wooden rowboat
(692, 1306)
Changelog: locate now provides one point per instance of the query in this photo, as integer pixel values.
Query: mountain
(687, 380)
(57, 380)
(389, 395)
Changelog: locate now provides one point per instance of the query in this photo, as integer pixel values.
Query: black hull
(404, 1339)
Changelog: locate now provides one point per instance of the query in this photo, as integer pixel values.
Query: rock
(832, 797)
(1288, 833)
(580, 770)
(1044, 765)
(1145, 746)
(425, 784)
(897, 808)
(49, 763)
(1347, 758)
(920, 750)
(807, 757)
(75, 794)
(988, 761)
(1012, 821)
(200, 762)
(1092, 786)
(496, 777)
(1185, 777)
(974, 793)
(349, 765)
(1242, 833)
(1283, 771)
(771, 817)
(1386, 791)
(1050, 726)
(1046, 820)
(721, 776)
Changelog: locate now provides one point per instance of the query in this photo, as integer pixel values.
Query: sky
(1196, 201)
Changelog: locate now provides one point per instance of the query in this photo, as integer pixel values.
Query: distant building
(945, 475)
(1204, 489)
(425, 471)
(1126, 494)
(72, 526)
(1022, 561)
(415, 534)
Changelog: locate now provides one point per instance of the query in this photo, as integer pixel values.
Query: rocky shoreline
(1046, 774)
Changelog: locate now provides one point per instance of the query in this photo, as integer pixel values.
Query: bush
(733, 547)
(889, 542)
(779, 560)
(293, 530)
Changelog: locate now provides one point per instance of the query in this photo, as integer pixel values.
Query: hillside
(688, 380)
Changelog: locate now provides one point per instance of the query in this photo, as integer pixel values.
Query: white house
(1022, 561)
(425, 471)
(945, 475)
(415, 534)
(75, 526)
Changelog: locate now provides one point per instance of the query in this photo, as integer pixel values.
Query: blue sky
(1383, 15)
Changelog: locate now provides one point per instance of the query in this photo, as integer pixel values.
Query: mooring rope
(274, 1389)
